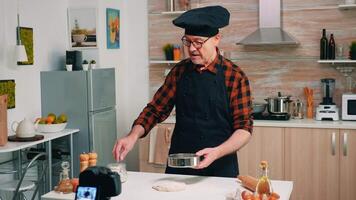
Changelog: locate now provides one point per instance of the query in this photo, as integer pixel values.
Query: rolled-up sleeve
(241, 105)
(159, 108)
(163, 101)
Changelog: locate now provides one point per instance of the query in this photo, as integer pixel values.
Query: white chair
(18, 187)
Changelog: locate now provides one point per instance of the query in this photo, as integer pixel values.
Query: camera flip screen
(86, 193)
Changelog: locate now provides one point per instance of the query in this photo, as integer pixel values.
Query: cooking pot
(258, 107)
(279, 104)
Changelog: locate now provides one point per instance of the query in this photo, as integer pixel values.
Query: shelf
(346, 61)
(346, 70)
(336, 61)
(164, 61)
(275, 59)
(347, 6)
(191, 5)
(173, 12)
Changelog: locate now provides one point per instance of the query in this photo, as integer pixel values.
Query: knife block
(3, 120)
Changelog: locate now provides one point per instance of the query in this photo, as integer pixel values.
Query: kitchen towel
(152, 144)
(163, 141)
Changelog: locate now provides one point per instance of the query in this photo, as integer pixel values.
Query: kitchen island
(139, 186)
(298, 150)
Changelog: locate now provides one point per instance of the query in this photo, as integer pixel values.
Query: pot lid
(280, 96)
(284, 97)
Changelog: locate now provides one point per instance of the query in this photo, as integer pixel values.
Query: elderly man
(212, 99)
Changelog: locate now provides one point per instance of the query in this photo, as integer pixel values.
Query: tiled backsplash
(269, 68)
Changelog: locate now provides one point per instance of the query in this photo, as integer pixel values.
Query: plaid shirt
(237, 86)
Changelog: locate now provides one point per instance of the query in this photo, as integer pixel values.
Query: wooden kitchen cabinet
(312, 163)
(144, 151)
(320, 162)
(347, 164)
(267, 143)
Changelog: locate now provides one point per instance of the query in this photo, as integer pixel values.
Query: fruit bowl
(51, 128)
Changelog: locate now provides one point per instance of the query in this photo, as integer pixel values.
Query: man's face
(206, 53)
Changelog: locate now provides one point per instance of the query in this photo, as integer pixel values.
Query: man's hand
(209, 154)
(123, 146)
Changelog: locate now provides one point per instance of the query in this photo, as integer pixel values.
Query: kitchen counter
(139, 186)
(15, 146)
(294, 123)
(47, 141)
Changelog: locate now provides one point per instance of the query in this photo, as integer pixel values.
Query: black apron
(203, 119)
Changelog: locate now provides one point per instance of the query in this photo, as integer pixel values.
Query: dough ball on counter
(169, 186)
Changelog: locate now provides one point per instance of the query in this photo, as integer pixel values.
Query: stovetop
(268, 116)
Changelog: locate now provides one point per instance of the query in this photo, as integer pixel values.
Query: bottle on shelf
(331, 48)
(176, 52)
(264, 186)
(324, 46)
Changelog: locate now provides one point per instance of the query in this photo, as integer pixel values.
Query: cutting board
(3, 120)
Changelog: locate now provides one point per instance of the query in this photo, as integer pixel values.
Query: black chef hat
(204, 21)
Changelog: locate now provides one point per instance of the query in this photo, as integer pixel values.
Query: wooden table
(47, 140)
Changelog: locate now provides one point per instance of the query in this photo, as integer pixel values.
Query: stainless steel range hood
(270, 31)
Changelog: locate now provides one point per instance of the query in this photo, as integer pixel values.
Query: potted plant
(168, 51)
(85, 65)
(353, 50)
(92, 64)
(69, 65)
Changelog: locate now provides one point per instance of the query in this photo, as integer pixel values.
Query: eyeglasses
(196, 44)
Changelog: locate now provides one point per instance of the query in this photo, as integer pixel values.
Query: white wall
(130, 61)
(133, 76)
(49, 22)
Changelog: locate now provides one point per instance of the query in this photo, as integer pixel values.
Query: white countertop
(294, 123)
(139, 186)
(15, 146)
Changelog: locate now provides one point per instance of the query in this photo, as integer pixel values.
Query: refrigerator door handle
(91, 131)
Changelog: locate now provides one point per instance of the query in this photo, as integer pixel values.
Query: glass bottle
(324, 46)
(176, 52)
(120, 168)
(264, 186)
(331, 49)
(65, 184)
